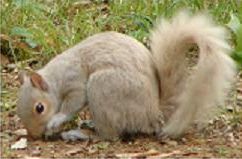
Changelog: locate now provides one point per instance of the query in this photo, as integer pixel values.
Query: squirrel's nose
(33, 136)
(34, 133)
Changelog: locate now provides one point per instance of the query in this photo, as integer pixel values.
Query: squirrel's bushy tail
(194, 96)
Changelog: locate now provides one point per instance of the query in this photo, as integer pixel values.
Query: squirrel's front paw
(73, 135)
(55, 122)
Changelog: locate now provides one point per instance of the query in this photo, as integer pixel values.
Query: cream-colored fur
(128, 88)
(192, 97)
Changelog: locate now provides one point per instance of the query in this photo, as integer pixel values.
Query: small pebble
(172, 143)
(36, 151)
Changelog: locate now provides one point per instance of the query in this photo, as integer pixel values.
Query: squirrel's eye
(39, 108)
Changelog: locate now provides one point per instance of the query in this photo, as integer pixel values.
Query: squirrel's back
(102, 50)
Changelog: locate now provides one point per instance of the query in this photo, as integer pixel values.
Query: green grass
(44, 28)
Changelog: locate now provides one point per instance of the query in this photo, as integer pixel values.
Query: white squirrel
(128, 88)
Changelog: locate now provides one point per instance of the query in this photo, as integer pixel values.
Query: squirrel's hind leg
(122, 101)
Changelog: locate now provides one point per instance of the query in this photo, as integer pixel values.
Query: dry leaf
(21, 144)
(102, 145)
(21, 132)
(151, 152)
(28, 157)
(4, 60)
(165, 154)
(74, 151)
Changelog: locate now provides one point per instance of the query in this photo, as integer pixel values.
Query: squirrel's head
(36, 104)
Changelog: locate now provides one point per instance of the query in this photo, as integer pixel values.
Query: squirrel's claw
(162, 135)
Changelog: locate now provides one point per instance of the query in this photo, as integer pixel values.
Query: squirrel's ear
(22, 76)
(38, 82)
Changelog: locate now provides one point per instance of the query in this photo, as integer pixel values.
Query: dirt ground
(221, 138)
